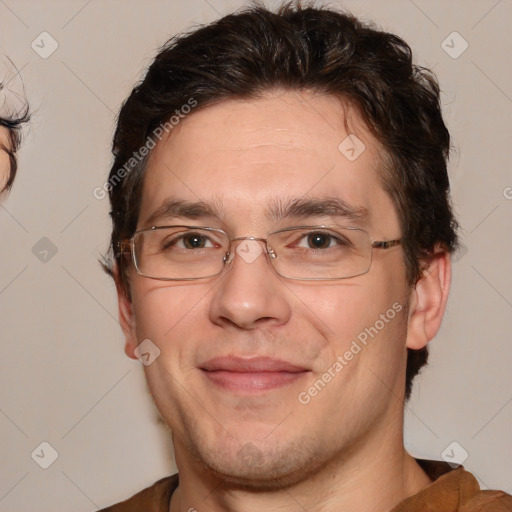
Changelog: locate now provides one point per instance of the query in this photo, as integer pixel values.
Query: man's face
(5, 166)
(243, 156)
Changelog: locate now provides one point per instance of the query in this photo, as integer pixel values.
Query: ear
(126, 317)
(428, 300)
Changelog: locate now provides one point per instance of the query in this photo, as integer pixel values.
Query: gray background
(64, 378)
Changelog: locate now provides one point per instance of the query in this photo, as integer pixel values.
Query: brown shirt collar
(453, 490)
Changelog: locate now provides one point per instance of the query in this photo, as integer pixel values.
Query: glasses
(181, 253)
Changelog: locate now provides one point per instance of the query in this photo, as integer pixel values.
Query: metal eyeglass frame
(128, 246)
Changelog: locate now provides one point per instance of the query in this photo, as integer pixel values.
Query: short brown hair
(303, 47)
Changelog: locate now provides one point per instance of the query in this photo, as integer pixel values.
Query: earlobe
(428, 301)
(126, 318)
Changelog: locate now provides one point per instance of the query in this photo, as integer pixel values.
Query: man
(281, 249)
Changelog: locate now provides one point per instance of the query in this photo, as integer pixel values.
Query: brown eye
(322, 240)
(194, 241)
(191, 241)
(319, 240)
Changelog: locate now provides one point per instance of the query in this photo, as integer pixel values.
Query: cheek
(343, 309)
(158, 308)
(364, 349)
(170, 316)
(354, 317)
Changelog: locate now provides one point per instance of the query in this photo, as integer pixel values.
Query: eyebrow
(305, 207)
(295, 208)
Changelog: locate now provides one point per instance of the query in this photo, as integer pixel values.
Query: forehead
(242, 155)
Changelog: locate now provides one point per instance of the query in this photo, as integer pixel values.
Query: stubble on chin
(249, 467)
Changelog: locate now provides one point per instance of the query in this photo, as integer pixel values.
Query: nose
(248, 248)
(250, 293)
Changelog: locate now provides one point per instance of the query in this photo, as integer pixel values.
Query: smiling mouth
(251, 375)
(252, 381)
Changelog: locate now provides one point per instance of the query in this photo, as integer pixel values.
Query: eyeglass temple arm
(124, 247)
(387, 244)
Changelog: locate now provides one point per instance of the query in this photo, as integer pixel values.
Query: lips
(255, 364)
(251, 375)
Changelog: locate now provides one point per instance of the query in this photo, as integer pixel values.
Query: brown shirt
(452, 490)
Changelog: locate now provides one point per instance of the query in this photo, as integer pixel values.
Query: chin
(255, 468)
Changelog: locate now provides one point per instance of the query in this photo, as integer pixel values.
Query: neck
(374, 477)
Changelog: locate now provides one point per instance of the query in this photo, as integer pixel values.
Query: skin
(343, 450)
(4, 157)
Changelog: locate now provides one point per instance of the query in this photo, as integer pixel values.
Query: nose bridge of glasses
(264, 240)
(249, 252)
